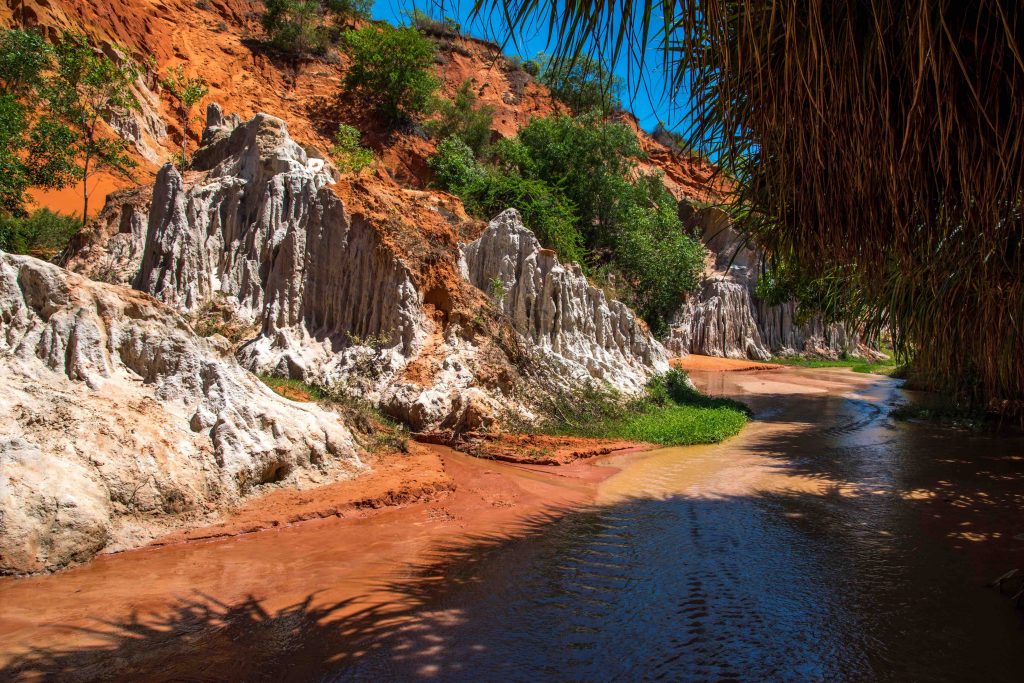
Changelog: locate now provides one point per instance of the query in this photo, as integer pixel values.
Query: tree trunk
(184, 141)
(85, 192)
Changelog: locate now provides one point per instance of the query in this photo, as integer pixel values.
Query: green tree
(295, 26)
(487, 191)
(454, 166)
(43, 234)
(578, 187)
(90, 88)
(658, 260)
(36, 148)
(582, 82)
(187, 91)
(465, 119)
(544, 209)
(349, 155)
(391, 68)
(591, 160)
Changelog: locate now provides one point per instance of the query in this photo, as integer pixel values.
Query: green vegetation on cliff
(392, 69)
(371, 429)
(576, 182)
(43, 234)
(56, 101)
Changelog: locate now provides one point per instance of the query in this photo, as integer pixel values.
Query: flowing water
(826, 542)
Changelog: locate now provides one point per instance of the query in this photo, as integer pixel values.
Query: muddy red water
(827, 541)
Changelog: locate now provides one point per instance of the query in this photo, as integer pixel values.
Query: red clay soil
(715, 364)
(395, 479)
(541, 449)
(221, 42)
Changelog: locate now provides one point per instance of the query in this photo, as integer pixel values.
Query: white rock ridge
(724, 318)
(555, 306)
(261, 230)
(116, 419)
(718, 321)
(264, 228)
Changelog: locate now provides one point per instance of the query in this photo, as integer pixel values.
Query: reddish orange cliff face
(219, 40)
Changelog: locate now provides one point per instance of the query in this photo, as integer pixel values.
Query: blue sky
(642, 94)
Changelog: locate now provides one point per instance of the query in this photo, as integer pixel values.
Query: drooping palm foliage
(880, 143)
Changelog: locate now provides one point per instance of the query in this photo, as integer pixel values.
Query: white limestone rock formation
(555, 306)
(109, 248)
(117, 421)
(726, 319)
(264, 229)
(788, 337)
(718, 321)
(260, 231)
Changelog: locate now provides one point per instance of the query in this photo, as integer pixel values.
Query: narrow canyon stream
(826, 542)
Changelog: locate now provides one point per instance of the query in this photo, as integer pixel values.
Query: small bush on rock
(463, 118)
(348, 154)
(296, 26)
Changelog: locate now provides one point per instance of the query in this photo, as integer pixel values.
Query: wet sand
(697, 363)
(334, 567)
(781, 545)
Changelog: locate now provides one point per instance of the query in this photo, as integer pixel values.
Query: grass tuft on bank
(670, 413)
(371, 428)
(887, 366)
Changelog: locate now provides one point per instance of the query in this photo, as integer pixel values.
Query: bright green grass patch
(887, 366)
(670, 413)
(678, 425)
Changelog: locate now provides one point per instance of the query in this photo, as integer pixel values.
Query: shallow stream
(826, 542)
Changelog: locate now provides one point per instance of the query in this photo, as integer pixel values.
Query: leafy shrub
(44, 234)
(576, 184)
(391, 67)
(454, 165)
(582, 83)
(544, 210)
(589, 159)
(347, 10)
(348, 154)
(659, 261)
(673, 385)
(463, 118)
(445, 27)
(296, 26)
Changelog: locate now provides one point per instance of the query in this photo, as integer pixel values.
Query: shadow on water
(876, 574)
